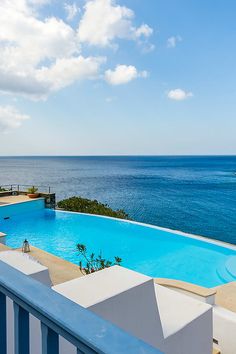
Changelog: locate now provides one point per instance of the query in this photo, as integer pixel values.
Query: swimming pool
(147, 249)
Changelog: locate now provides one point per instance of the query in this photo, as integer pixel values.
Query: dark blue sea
(191, 194)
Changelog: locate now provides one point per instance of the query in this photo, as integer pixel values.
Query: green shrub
(83, 205)
(91, 263)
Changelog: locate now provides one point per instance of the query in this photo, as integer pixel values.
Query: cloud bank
(41, 55)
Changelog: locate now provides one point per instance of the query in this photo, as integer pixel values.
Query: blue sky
(103, 77)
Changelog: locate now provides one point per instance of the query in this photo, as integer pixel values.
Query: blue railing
(58, 316)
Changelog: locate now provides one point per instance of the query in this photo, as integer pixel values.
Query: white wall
(224, 329)
(224, 326)
(169, 321)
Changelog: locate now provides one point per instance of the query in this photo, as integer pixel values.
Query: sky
(117, 77)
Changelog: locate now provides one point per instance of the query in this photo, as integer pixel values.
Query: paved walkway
(60, 270)
(226, 296)
(4, 248)
(10, 199)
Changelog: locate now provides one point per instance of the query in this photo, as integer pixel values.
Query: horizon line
(127, 155)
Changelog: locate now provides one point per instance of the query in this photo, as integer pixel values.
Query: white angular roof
(133, 302)
(99, 286)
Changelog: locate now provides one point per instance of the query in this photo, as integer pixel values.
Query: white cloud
(23, 84)
(31, 46)
(10, 118)
(172, 41)
(27, 41)
(144, 30)
(65, 71)
(179, 94)
(41, 82)
(71, 10)
(41, 55)
(104, 21)
(123, 74)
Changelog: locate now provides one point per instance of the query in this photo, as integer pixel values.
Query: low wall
(21, 208)
(50, 200)
(224, 329)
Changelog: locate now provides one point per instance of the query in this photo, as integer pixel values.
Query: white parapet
(171, 322)
(224, 320)
(27, 265)
(224, 324)
(30, 267)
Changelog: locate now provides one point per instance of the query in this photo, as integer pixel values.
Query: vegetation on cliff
(83, 205)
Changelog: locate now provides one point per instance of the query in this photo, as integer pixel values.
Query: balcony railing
(59, 317)
(24, 187)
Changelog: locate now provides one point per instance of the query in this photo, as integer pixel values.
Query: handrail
(16, 187)
(59, 316)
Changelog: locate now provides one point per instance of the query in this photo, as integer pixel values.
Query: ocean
(192, 194)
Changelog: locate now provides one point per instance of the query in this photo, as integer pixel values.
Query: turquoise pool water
(149, 250)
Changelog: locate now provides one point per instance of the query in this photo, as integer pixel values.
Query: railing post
(21, 330)
(50, 341)
(3, 324)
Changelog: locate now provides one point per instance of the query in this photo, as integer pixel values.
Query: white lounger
(171, 322)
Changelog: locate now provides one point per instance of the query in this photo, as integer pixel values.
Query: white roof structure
(169, 321)
(101, 285)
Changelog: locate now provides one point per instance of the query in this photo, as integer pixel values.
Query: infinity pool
(143, 248)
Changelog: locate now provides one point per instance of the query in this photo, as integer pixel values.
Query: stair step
(224, 275)
(230, 266)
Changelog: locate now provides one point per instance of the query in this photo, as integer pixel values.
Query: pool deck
(4, 248)
(226, 296)
(12, 199)
(61, 271)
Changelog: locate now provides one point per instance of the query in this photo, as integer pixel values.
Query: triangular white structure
(171, 322)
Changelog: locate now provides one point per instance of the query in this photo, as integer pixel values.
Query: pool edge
(177, 232)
